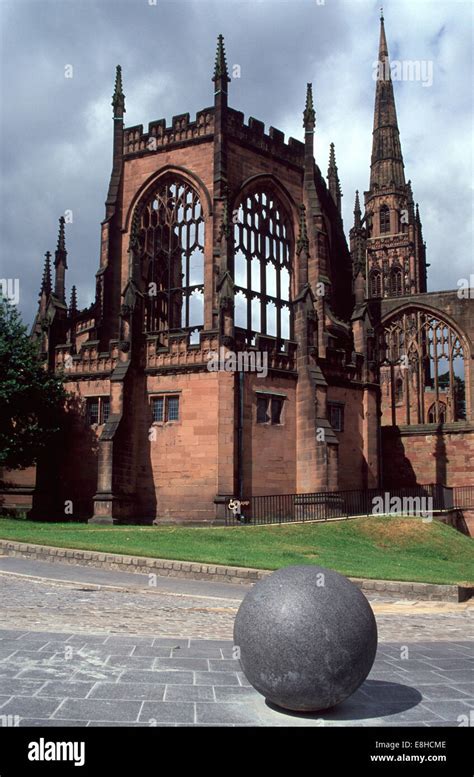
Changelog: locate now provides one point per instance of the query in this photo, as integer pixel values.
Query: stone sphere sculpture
(307, 637)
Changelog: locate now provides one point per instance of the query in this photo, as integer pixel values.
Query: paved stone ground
(56, 678)
(177, 607)
(157, 656)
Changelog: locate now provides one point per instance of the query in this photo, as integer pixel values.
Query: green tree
(31, 398)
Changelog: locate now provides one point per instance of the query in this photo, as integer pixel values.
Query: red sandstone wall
(183, 460)
(468, 516)
(244, 163)
(269, 465)
(410, 457)
(358, 459)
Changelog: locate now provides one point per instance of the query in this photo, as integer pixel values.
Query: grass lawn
(388, 548)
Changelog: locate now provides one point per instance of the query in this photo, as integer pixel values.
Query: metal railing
(323, 505)
(463, 497)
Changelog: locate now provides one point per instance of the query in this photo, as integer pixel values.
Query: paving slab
(115, 657)
(179, 695)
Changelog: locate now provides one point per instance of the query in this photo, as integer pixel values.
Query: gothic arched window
(171, 244)
(375, 283)
(437, 413)
(396, 282)
(384, 215)
(262, 266)
(428, 354)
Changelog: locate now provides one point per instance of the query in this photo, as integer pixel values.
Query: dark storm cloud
(56, 132)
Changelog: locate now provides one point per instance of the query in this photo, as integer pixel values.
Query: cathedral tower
(390, 233)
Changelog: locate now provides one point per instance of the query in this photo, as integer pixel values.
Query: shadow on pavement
(376, 699)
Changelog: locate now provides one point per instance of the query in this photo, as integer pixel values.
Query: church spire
(46, 283)
(73, 302)
(60, 263)
(334, 185)
(220, 67)
(61, 246)
(309, 115)
(221, 75)
(386, 167)
(118, 97)
(309, 123)
(357, 211)
(118, 103)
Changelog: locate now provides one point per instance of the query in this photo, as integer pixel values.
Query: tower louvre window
(384, 219)
(375, 283)
(396, 282)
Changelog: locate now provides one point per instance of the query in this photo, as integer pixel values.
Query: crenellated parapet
(182, 130)
(253, 134)
(177, 353)
(84, 325)
(89, 360)
(159, 136)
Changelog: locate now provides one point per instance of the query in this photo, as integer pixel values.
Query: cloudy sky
(56, 132)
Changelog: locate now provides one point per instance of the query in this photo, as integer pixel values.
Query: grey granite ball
(307, 637)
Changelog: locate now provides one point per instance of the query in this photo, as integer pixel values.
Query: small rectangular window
(262, 410)
(165, 409)
(97, 410)
(269, 410)
(158, 408)
(336, 416)
(277, 407)
(93, 410)
(173, 409)
(104, 409)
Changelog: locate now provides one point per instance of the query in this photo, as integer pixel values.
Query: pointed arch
(168, 233)
(263, 237)
(375, 283)
(384, 219)
(433, 356)
(395, 281)
(164, 173)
